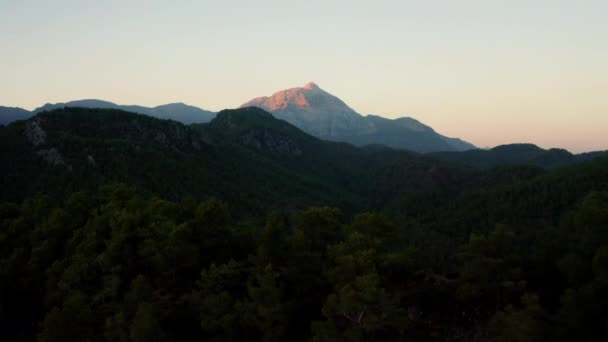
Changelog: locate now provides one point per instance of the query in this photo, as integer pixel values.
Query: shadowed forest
(120, 227)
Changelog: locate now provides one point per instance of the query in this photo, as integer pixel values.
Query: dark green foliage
(118, 266)
(360, 307)
(491, 267)
(226, 232)
(517, 154)
(85, 148)
(529, 323)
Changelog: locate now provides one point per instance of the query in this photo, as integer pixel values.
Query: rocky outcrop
(34, 133)
(51, 156)
(314, 111)
(325, 116)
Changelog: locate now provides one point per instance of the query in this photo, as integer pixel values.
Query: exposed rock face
(315, 111)
(51, 156)
(34, 133)
(325, 116)
(309, 108)
(91, 160)
(412, 125)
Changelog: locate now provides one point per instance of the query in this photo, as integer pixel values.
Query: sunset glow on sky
(490, 72)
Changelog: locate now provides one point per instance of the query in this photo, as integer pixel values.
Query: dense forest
(120, 227)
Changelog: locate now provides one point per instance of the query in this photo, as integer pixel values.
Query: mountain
(407, 133)
(175, 111)
(257, 128)
(10, 114)
(517, 154)
(118, 225)
(246, 156)
(315, 111)
(323, 115)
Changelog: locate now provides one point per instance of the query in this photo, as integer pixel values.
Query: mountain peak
(311, 86)
(323, 115)
(314, 110)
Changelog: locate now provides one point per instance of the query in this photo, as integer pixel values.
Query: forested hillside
(120, 227)
(517, 154)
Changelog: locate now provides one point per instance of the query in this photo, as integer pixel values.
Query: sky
(487, 71)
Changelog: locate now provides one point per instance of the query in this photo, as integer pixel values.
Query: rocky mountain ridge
(325, 116)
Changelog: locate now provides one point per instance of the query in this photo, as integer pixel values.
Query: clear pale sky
(490, 72)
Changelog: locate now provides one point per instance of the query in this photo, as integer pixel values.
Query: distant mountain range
(244, 155)
(309, 108)
(175, 111)
(10, 114)
(325, 116)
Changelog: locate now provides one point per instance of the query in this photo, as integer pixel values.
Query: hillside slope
(324, 115)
